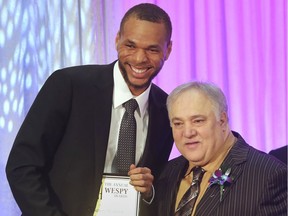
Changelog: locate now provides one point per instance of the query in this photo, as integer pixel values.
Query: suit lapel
(234, 160)
(157, 130)
(173, 174)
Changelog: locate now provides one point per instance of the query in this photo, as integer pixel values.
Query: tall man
(236, 178)
(69, 137)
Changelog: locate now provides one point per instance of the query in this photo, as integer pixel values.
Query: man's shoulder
(263, 161)
(80, 69)
(280, 153)
(157, 90)
(83, 73)
(254, 159)
(158, 95)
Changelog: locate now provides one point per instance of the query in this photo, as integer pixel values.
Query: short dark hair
(151, 13)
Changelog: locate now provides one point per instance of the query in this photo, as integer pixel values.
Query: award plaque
(117, 197)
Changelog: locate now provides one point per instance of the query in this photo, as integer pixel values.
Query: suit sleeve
(32, 153)
(274, 196)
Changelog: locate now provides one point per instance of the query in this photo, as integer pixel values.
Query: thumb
(132, 166)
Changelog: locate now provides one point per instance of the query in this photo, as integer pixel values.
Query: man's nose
(140, 55)
(189, 131)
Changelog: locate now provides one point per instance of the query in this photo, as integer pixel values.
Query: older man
(237, 179)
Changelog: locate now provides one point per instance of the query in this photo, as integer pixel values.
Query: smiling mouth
(192, 143)
(139, 71)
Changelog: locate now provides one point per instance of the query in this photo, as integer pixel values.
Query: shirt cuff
(152, 197)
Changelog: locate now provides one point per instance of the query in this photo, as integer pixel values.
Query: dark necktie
(127, 139)
(188, 200)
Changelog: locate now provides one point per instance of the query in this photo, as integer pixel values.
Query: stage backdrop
(241, 45)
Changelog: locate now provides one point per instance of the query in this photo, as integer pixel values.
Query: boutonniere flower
(221, 179)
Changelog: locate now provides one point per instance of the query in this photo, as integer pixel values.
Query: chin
(193, 158)
(140, 85)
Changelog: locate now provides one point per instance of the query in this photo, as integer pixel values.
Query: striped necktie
(188, 200)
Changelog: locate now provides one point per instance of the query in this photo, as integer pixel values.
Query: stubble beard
(129, 83)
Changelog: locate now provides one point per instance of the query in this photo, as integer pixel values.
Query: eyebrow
(191, 117)
(149, 47)
(175, 118)
(130, 41)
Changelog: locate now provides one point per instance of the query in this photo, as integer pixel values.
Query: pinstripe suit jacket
(259, 185)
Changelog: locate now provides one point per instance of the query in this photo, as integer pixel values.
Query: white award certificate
(117, 197)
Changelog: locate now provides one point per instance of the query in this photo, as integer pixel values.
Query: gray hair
(213, 92)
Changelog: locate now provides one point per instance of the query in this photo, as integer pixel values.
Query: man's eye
(177, 124)
(129, 45)
(198, 121)
(154, 50)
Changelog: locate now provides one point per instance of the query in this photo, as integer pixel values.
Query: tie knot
(131, 106)
(197, 173)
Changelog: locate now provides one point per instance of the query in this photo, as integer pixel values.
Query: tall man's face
(142, 48)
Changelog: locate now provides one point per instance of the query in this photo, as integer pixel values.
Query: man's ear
(224, 120)
(169, 49)
(117, 39)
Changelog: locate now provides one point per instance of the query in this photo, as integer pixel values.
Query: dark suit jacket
(56, 163)
(259, 185)
(280, 153)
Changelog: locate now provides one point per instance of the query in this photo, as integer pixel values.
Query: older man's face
(198, 134)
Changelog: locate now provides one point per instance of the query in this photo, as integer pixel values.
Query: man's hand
(142, 179)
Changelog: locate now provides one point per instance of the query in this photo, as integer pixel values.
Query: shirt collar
(122, 93)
